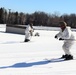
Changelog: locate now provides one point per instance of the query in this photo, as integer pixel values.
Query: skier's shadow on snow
(24, 64)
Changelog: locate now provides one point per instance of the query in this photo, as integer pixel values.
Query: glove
(61, 39)
(55, 36)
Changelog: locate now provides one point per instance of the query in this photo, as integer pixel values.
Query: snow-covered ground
(18, 58)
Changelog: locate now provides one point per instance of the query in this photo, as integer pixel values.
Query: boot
(26, 40)
(64, 56)
(69, 57)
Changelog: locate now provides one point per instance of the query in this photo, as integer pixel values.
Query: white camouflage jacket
(66, 34)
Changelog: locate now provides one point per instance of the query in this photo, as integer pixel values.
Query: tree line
(38, 18)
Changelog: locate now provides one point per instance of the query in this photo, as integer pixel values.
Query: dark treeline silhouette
(38, 18)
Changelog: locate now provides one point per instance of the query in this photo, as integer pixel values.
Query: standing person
(66, 35)
(28, 32)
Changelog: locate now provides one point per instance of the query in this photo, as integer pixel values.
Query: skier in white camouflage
(68, 37)
(28, 32)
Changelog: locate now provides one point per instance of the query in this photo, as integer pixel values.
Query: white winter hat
(62, 23)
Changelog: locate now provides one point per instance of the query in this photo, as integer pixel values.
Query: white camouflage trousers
(67, 46)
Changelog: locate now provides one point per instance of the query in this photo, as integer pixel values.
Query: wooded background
(38, 18)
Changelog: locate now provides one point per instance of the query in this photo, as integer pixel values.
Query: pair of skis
(12, 42)
(56, 59)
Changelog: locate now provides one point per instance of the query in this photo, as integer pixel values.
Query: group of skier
(65, 34)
